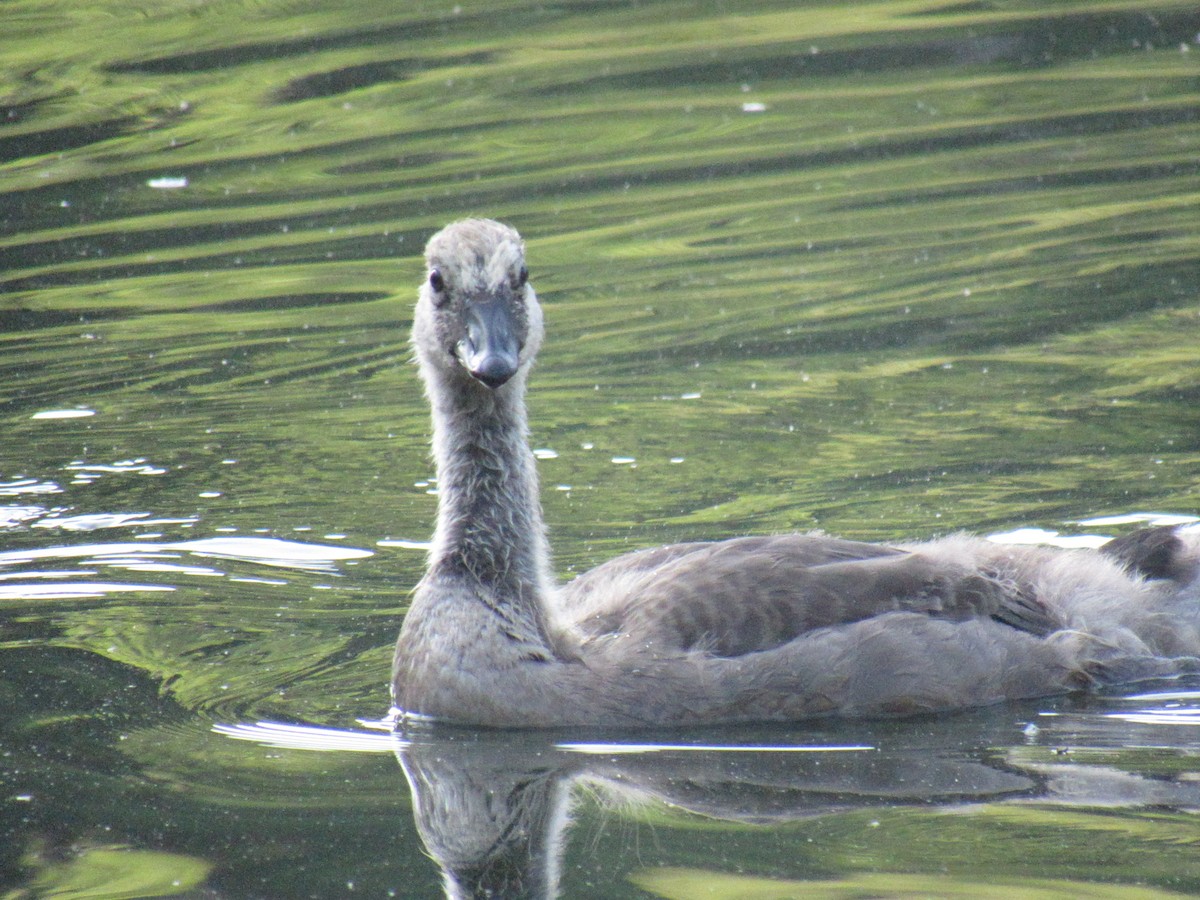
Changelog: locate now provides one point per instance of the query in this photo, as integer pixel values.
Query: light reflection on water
(263, 551)
(1166, 708)
(153, 557)
(1052, 538)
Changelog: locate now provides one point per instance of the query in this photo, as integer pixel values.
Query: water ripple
(158, 558)
(309, 737)
(264, 551)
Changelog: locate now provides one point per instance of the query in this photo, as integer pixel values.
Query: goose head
(478, 321)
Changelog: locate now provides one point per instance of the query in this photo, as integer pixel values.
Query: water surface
(890, 271)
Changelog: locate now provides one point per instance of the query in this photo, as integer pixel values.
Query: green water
(888, 269)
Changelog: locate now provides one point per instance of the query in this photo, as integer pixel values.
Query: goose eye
(436, 281)
(522, 277)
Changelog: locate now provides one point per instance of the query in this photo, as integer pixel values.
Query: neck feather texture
(490, 531)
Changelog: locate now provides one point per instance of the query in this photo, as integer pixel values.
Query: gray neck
(490, 531)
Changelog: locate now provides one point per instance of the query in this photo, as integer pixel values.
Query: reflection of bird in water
(494, 809)
(762, 628)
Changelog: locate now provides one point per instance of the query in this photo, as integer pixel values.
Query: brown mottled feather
(694, 596)
(1151, 553)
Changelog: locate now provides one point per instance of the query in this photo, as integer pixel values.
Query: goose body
(751, 629)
